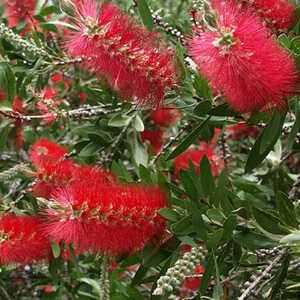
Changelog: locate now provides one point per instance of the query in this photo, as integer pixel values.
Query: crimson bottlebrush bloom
(242, 130)
(22, 240)
(195, 156)
(44, 151)
(129, 58)
(155, 137)
(165, 117)
(243, 61)
(19, 10)
(279, 14)
(112, 220)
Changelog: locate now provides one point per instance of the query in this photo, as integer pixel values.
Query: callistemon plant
(21, 240)
(239, 57)
(149, 149)
(108, 219)
(129, 58)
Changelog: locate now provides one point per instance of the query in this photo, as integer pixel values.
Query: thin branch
(265, 273)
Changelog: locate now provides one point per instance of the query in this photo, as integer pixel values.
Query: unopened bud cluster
(20, 43)
(182, 268)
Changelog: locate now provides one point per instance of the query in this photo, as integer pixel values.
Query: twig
(106, 159)
(172, 140)
(265, 273)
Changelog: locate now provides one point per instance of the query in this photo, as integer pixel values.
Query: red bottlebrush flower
(279, 14)
(112, 220)
(57, 78)
(196, 155)
(165, 117)
(243, 61)
(155, 138)
(21, 240)
(44, 151)
(82, 97)
(242, 130)
(19, 10)
(48, 289)
(130, 59)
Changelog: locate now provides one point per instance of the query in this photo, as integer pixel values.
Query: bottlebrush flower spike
(278, 14)
(241, 60)
(44, 151)
(21, 240)
(165, 117)
(195, 155)
(155, 138)
(112, 220)
(129, 58)
(19, 10)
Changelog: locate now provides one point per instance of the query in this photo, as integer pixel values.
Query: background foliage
(246, 217)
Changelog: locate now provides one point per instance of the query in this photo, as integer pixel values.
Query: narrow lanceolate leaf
(265, 142)
(188, 140)
(7, 81)
(206, 177)
(145, 14)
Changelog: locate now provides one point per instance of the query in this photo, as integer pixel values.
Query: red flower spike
(279, 14)
(131, 60)
(21, 240)
(19, 10)
(155, 138)
(18, 106)
(196, 155)
(43, 152)
(165, 117)
(112, 220)
(253, 72)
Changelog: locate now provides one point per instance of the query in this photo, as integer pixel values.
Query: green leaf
(188, 140)
(209, 269)
(145, 14)
(202, 108)
(214, 240)
(48, 10)
(206, 177)
(295, 129)
(93, 283)
(222, 110)
(138, 124)
(228, 227)
(48, 26)
(270, 133)
(169, 214)
(291, 238)
(286, 209)
(180, 60)
(182, 227)
(252, 240)
(119, 121)
(280, 276)
(55, 249)
(267, 221)
(140, 154)
(3, 138)
(7, 81)
(188, 184)
(264, 142)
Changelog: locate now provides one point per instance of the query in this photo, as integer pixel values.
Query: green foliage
(237, 214)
